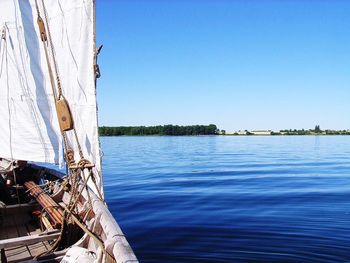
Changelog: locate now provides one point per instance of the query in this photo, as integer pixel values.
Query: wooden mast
(96, 68)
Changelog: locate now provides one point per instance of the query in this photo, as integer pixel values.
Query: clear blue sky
(238, 64)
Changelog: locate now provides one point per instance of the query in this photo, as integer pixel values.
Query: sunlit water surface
(231, 199)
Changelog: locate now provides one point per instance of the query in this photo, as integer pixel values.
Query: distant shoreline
(169, 129)
(228, 135)
(211, 129)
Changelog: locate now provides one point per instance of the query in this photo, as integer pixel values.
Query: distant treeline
(159, 130)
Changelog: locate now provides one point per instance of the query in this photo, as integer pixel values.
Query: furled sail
(29, 128)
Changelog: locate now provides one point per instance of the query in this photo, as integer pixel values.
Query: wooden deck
(20, 225)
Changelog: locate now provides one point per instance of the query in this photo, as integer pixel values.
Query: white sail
(29, 127)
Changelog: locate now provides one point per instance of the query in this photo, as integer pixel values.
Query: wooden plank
(11, 232)
(27, 240)
(19, 209)
(3, 235)
(8, 222)
(37, 248)
(3, 232)
(16, 252)
(21, 231)
(21, 219)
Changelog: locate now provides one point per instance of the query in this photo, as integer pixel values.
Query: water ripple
(231, 199)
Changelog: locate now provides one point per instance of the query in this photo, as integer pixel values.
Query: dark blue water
(231, 199)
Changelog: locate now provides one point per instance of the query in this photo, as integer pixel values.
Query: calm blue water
(231, 199)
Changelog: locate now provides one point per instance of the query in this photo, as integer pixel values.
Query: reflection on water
(231, 199)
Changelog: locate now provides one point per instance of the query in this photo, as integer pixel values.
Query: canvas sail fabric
(29, 128)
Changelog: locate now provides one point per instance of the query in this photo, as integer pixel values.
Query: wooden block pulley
(64, 115)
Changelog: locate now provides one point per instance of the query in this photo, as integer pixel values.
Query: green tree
(159, 130)
(317, 129)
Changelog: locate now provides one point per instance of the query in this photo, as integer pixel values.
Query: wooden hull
(28, 232)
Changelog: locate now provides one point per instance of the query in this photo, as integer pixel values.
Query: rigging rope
(76, 169)
(58, 94)
(11, 166)
(52, 52)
